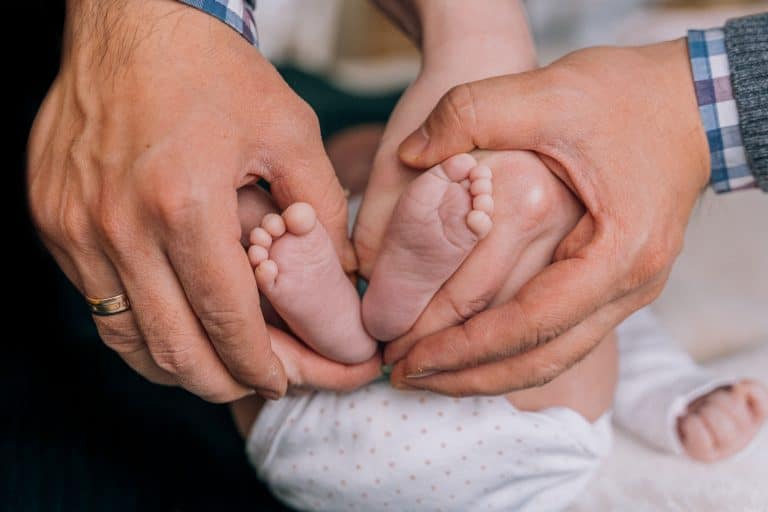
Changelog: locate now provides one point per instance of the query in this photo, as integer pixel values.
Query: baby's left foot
(438, 220)
(724, 421)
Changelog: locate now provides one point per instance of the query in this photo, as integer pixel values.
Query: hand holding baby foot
(724, 421)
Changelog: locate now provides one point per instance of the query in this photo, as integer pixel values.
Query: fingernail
(415, 144)
(421, 374)
(386, 369)
(402, 386)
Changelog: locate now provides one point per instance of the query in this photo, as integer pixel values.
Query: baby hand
(723, 422)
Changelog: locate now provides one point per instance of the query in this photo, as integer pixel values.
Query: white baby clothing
(379, 449)
(657, 381)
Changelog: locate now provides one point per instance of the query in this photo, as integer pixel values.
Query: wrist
(677, 81)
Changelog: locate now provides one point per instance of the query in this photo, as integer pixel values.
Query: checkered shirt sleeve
(238, 14)
(717, 106)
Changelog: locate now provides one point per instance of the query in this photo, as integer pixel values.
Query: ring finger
(120, 332)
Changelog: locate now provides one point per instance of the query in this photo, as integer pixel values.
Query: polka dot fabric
(379, 449)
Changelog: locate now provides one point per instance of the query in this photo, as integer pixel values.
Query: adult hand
(159, 114)
(620, 127)
(308, 370)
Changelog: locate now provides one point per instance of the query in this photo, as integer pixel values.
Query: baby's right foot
(724, 421)
(440, 217)
(298, 270)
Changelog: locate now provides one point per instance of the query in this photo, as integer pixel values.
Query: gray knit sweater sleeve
(746, 41)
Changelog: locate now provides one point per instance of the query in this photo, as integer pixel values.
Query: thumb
(306, 369)
(577, 239)
(496, 113)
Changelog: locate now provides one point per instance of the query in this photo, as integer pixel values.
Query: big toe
(457, 167)
(300, 218)
(479, 223)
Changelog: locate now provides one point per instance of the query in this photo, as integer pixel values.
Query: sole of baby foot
(299, 272)
(723, 422)
(437, 222)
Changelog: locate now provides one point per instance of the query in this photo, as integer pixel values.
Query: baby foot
(438, 220)
(298, 270)
(724, 421)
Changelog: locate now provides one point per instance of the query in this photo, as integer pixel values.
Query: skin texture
(160, 113)
(620, 127)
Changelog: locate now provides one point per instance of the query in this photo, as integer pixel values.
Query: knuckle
(543, 371)
(461, 346)
(459, 103)
(180, 206)
(79, 156)
(224, 326)
(532, 332)
(175, 359)
(74, 227)
(120, 339)
(462, 309)
(655, 261)
(173, 195)
(305, 115)
(111, 223)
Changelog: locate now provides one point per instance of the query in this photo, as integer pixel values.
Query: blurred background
(80, 431)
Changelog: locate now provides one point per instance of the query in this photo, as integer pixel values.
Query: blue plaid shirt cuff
(238, 14)
(717, 106)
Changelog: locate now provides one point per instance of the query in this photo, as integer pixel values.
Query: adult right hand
(158, 115)
(621, 128)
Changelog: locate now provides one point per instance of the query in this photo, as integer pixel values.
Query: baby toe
(260, 236)
(483, 203)
(273, 224)
(479, 223)
(257, 254)
(481, 186)
(300, 218)
(266, 274)
(481, 172)
(457, 167)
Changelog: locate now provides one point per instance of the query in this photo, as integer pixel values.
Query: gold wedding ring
(109, 306)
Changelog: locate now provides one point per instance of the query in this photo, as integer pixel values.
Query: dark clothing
(746, 41)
